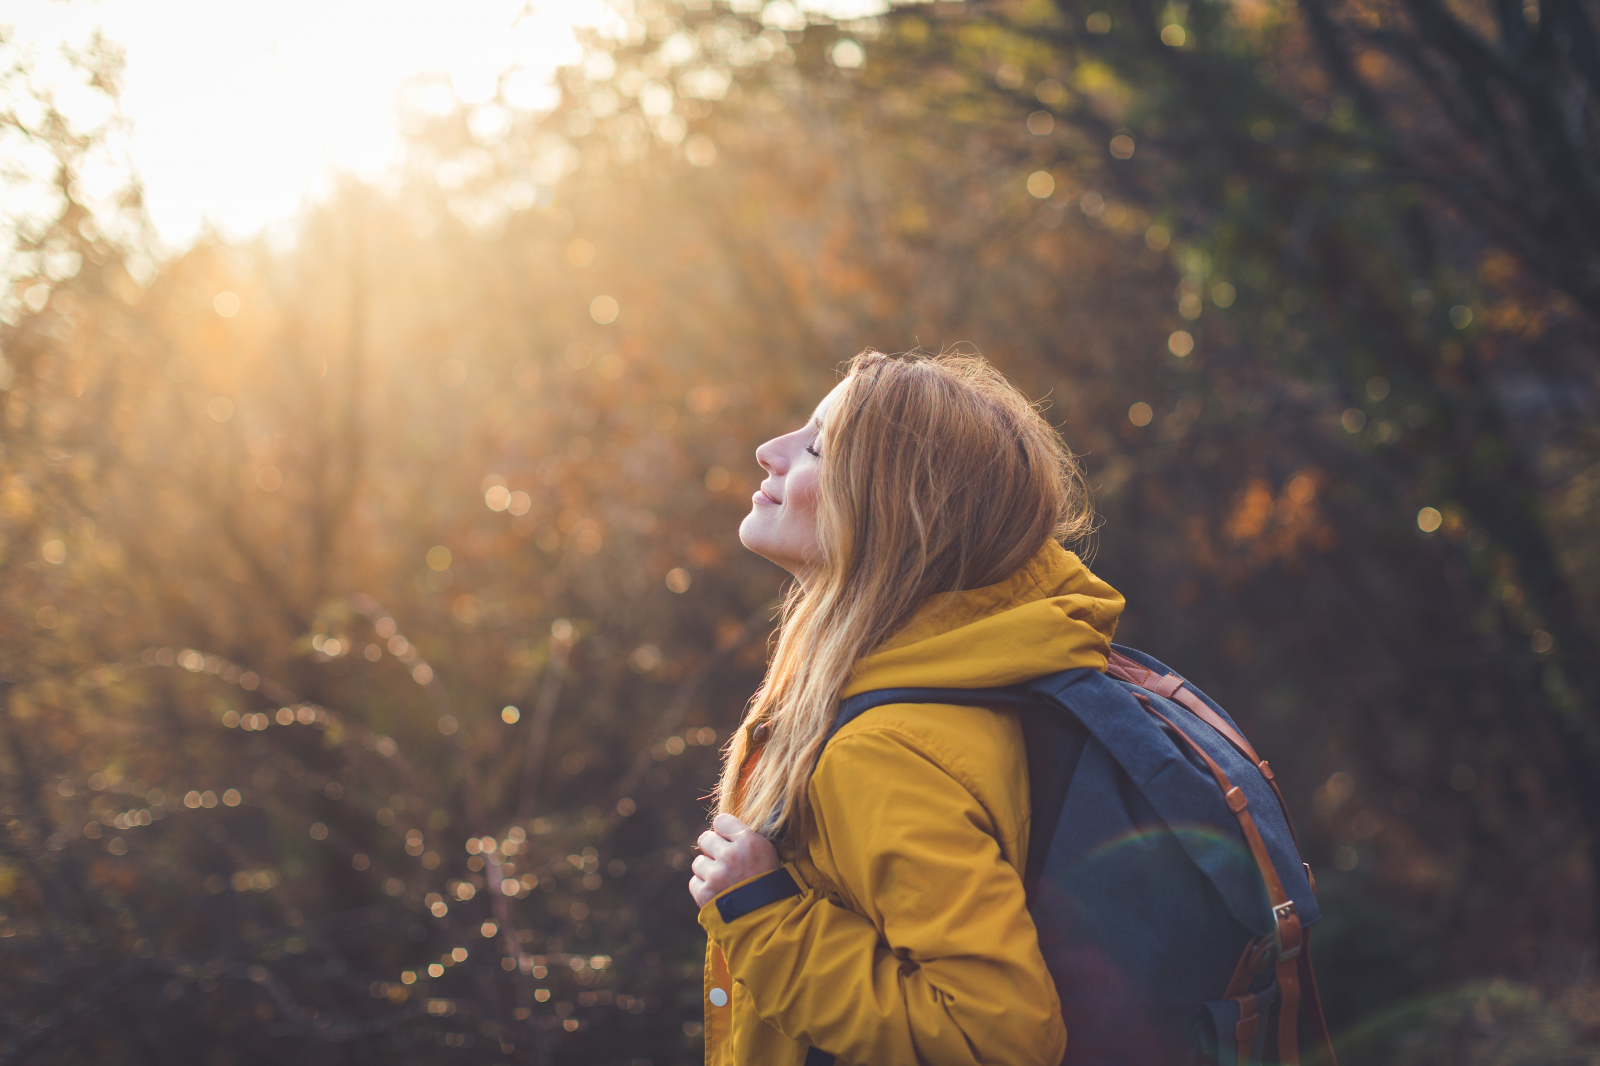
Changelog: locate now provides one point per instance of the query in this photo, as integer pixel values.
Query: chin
(764, 547)
(749, 536)
(767, 551)
(757, 535)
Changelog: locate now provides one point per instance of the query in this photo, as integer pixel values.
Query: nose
(770, 456)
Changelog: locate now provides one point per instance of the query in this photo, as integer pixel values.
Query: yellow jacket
(909, 943)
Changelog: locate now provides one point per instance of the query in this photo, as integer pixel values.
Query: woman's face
(782, 523)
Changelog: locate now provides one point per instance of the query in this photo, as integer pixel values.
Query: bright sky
(241, 109)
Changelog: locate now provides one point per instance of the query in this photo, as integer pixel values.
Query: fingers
(710, 843)
(729, 826)
(730, 852)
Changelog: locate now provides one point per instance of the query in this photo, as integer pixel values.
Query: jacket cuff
(768, 888)
(751, 895)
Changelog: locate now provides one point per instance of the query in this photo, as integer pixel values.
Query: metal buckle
(1280, 914)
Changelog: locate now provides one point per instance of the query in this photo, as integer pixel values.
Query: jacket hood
(1051, 615)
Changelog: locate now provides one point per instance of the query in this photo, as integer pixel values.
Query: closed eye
(812, 449)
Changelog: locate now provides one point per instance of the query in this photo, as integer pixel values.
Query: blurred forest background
(372, 607)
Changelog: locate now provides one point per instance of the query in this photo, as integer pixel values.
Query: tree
(416, 539)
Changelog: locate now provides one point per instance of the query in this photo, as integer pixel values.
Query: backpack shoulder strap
(855, 706)
(1053, 743)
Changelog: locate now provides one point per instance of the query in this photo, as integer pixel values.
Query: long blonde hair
(937, 476)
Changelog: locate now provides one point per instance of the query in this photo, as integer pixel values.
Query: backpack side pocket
(1232, 1032)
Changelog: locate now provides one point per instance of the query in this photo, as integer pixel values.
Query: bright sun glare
(241, 109)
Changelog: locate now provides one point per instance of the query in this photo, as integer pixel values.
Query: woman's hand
(730, 852)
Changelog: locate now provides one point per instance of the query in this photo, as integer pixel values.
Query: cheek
(801, 502)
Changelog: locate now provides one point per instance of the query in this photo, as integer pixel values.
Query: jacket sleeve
(941, 967)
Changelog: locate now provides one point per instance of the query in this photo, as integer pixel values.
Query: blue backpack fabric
(1174, 930)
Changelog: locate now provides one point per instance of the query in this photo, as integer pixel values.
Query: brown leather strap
(1316, 1024)
(1251, 962)
(1203, 711)
(1296, 978)
(1249, 1021)
(1239, 804)
(1287, 932)
(1123, 668)
(1171, 687)
(1288, 1011)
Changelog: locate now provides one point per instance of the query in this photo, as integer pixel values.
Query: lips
(763, 496)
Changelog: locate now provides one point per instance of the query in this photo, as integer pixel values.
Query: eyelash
(812, 448)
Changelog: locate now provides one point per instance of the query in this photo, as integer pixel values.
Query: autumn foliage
(372, 610)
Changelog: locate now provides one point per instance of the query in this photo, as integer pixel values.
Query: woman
(878, 914)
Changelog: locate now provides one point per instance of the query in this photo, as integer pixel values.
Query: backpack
(1162, 872)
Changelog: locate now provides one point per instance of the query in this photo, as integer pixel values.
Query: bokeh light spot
(700, 150)
(452, 373)
(580, 253)
(847, 54)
